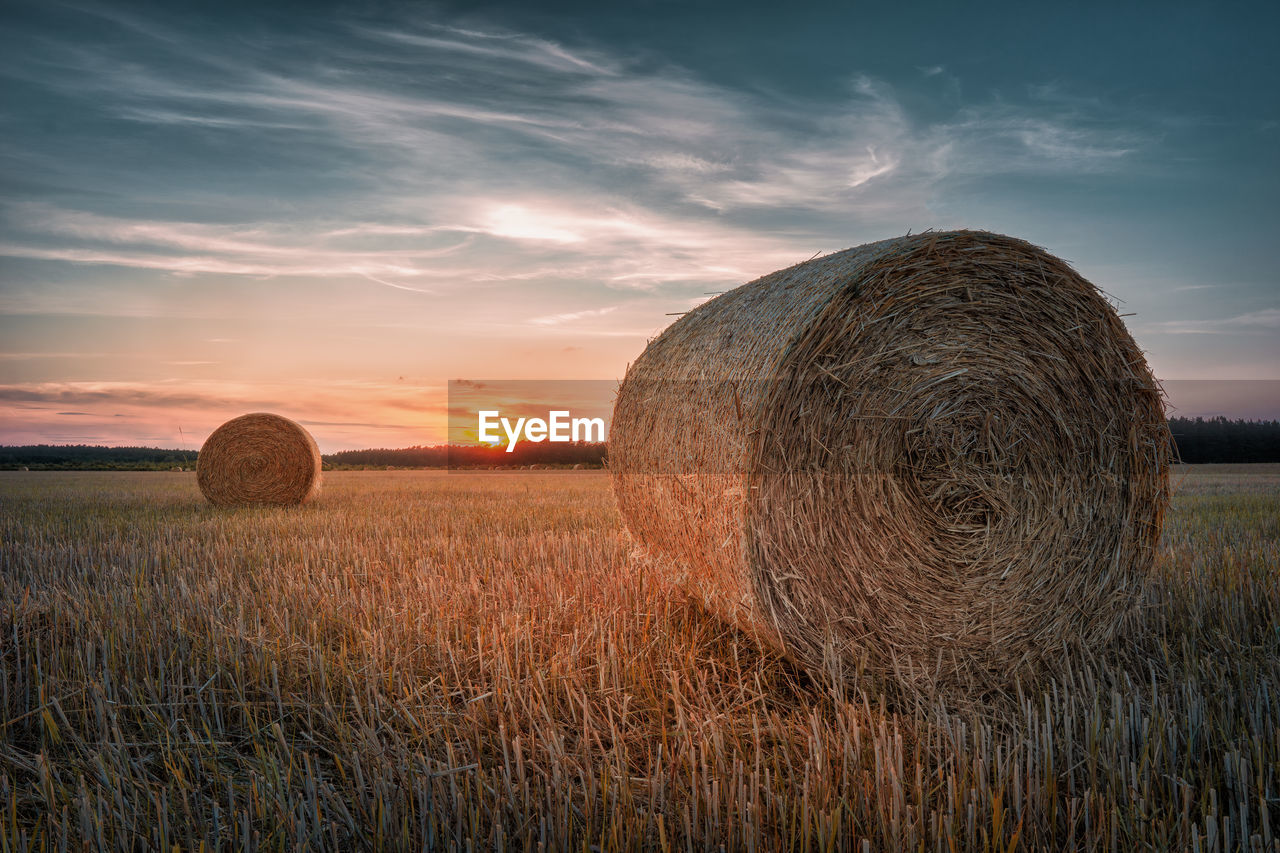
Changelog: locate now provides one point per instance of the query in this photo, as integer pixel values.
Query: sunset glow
(332, 222)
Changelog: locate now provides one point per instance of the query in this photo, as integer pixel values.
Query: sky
(330, 210)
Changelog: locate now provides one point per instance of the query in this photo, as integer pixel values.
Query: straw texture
(939, 459)
(259, 458)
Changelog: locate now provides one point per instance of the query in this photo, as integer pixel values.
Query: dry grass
(472, 661)
(259, 458)
(940, 459)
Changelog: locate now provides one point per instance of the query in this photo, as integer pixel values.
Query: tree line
(1205, 440)
(91, 457)
(1197, 441)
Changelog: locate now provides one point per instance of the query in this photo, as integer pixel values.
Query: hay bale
(177, 469)
(941, 458)
(577, 466)
(25, 468)
(259, 459)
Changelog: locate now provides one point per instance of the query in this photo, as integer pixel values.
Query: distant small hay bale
(940, 458)
(24, 468)
(176, 468)
(577, 466)
(259, 458)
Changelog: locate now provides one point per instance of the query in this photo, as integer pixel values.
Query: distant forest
(85, 457)
(90, 457)
(1198, 440)
(1202, 440)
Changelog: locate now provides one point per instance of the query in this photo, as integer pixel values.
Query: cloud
(553, 238)
(90, 393)
(217, 394)
(258, 249)
(504, 47)
(484, 182)
(118, 411)
(519, 223)
(1267, 320)
(557, 319)
(482, 155)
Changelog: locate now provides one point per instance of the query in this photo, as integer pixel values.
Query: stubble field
(430, 660)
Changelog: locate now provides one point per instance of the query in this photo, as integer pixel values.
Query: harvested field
(419, 659)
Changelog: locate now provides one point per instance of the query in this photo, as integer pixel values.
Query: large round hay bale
(259, 459)
(939, 458)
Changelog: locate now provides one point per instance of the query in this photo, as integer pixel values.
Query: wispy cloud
(261, 249)
(575, 161)
(115, 411)
(557, 319)
(359, 194)
(1266, 321)
(494, 46)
